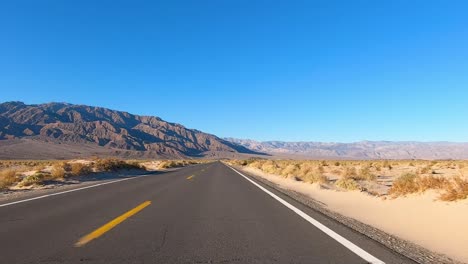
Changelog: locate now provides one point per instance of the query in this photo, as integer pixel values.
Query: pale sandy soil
(435, 225)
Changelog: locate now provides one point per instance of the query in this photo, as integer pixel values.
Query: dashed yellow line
(190, 177)
(105, 228)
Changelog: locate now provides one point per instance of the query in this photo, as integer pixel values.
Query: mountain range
(359, 150)
(64, 131)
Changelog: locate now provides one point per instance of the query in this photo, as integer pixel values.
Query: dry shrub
(431, 182)
(387, 164)
(321, 169)
(457, 190)
(412, 183)
(80, 169)
(58, 172)
(114, 164)
(403, 185)
(315, 177)
(425, 169)
(290, 170)
(36, 178)
(365, 175)
(171, 164)
(7, 178)
(306, 168)
(336, 172)
(350, 172)
(270, 167)
(347, 184)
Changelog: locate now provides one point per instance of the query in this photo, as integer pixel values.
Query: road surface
(200, 214)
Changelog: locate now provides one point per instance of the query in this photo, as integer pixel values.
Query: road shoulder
(400, 246)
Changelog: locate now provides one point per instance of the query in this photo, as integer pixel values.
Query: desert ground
(22, 175)
(424, 202)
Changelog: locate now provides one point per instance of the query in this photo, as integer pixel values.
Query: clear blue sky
(286, 70)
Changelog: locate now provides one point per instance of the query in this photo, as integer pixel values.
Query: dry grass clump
(7, 178)
(290, 170)
(458, 190)
(347, 184)
(426, 170)
(451, 189)
(406, 176)
(34, 179)
(80, 169)
(405, 184)
(114, 164)
(176, 163)
(350, 172)
(365, 174)
(24, 163)
(315, 177)
(58, 171)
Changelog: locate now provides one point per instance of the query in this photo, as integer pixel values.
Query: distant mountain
(100, 130)
(359, 150)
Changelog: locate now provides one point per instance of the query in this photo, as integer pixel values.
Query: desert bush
(58, 172)
(290, 170)
(365, 175)
(347, 184)
(457, 190)
(173, 164)
(337, 163)
(270, 167)
(305, 168)
(336, 172)
(425, 169)
(36, 178)
(114, 164)
(431, 182)
(315, 177)
(7, 178)
(350, 172)
(321, 169)
(80, 169)
(403, 185)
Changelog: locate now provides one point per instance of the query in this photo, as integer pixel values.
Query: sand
(438, 226)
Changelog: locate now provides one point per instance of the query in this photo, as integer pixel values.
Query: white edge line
(343, 241)
(73, 190)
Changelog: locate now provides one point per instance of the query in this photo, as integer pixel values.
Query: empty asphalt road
(201, 214)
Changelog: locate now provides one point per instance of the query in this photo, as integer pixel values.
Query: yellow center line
(105, 228)
(190, 177)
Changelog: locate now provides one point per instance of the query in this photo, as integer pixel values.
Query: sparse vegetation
(366, 175)
(24, 173)
(7, 178)
(58, 171)
(167, 164)
(405, 176)
(111, 164)
(458, 190)
(315, 177)
(347, 184)
(78, 168)
(36, 178)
